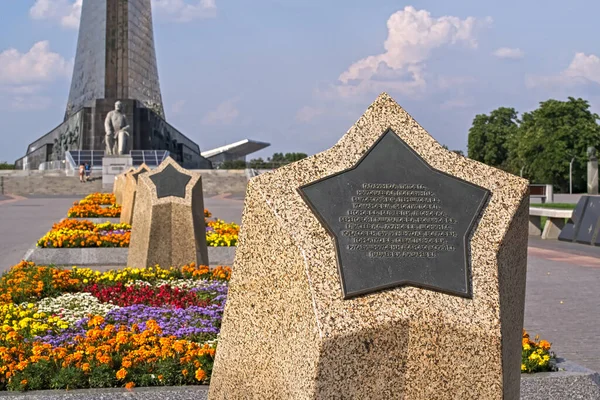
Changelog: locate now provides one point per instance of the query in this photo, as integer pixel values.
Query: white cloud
(66, 12)
(412, 36)
(24, 76)
(583, 70)
(308, 114)
(38, 65)
(186, 10)
(507, 52)
(225, 113)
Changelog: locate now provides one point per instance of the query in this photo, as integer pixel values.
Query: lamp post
(571, 176)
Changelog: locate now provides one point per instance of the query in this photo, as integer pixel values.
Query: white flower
(72, 307)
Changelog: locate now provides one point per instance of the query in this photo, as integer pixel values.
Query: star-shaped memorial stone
(397, 221)
(142, 170)
(170, 182)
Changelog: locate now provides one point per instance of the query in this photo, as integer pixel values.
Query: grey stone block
(109, 256)
(221, 255)
(154, 393)
(572, 382)
(85, 257)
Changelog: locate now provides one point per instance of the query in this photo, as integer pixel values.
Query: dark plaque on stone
(570, 231)
(170, 182)
(588, 229)
(397, 221)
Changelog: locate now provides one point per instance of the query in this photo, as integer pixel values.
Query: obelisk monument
(115, 62)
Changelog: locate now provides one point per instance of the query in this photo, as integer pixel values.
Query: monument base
(113, 166)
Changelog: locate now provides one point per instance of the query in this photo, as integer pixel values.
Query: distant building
(233, 152)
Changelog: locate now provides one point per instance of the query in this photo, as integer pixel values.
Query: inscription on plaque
(396, 221)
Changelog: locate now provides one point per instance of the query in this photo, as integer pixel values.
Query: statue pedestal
(113, 166)
(592, 177)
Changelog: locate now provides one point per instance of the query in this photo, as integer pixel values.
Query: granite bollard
(119, 184)
(169, 228)
(129, 193)
(385, 267)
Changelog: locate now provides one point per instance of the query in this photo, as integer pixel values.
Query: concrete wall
(215, 182)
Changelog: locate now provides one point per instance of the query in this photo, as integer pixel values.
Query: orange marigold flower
(200, 375)
(184, 372)
(85, 367)
(129, 385)
(121, 374)
(544, 344)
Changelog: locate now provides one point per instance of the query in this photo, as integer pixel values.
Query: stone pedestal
(169, 227)
(129, 193)
(592, 177)
(113, 166)
(383, 268)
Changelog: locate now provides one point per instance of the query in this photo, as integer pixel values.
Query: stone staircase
(24, 183)
(40, 183)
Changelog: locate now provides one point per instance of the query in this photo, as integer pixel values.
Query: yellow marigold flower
(523, 367)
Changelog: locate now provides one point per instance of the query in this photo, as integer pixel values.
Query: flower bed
(94, 211)
(77, 328)
(536, 355)
(106, 199)
(71, 233)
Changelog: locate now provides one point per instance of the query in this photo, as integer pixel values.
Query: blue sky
(299, 73)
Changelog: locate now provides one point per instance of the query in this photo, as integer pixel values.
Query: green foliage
(237, 164)
(541, 144)
(276, 161)
(490, 135)
(550, 137)
(459, 152)
(5, 165)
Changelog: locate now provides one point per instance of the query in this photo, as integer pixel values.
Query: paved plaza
(562, 299)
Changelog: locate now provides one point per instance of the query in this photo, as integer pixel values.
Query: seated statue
(115, 126)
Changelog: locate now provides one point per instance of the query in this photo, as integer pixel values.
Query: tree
(459, 152)
(490, 135)
(233, 164)
(550, 136)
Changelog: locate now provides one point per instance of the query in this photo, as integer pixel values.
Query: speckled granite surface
(128, 192)
(168, 231)
(287, 333)
(119, 184)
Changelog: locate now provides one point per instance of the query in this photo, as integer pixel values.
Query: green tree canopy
(490, 135)
(550, 136)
